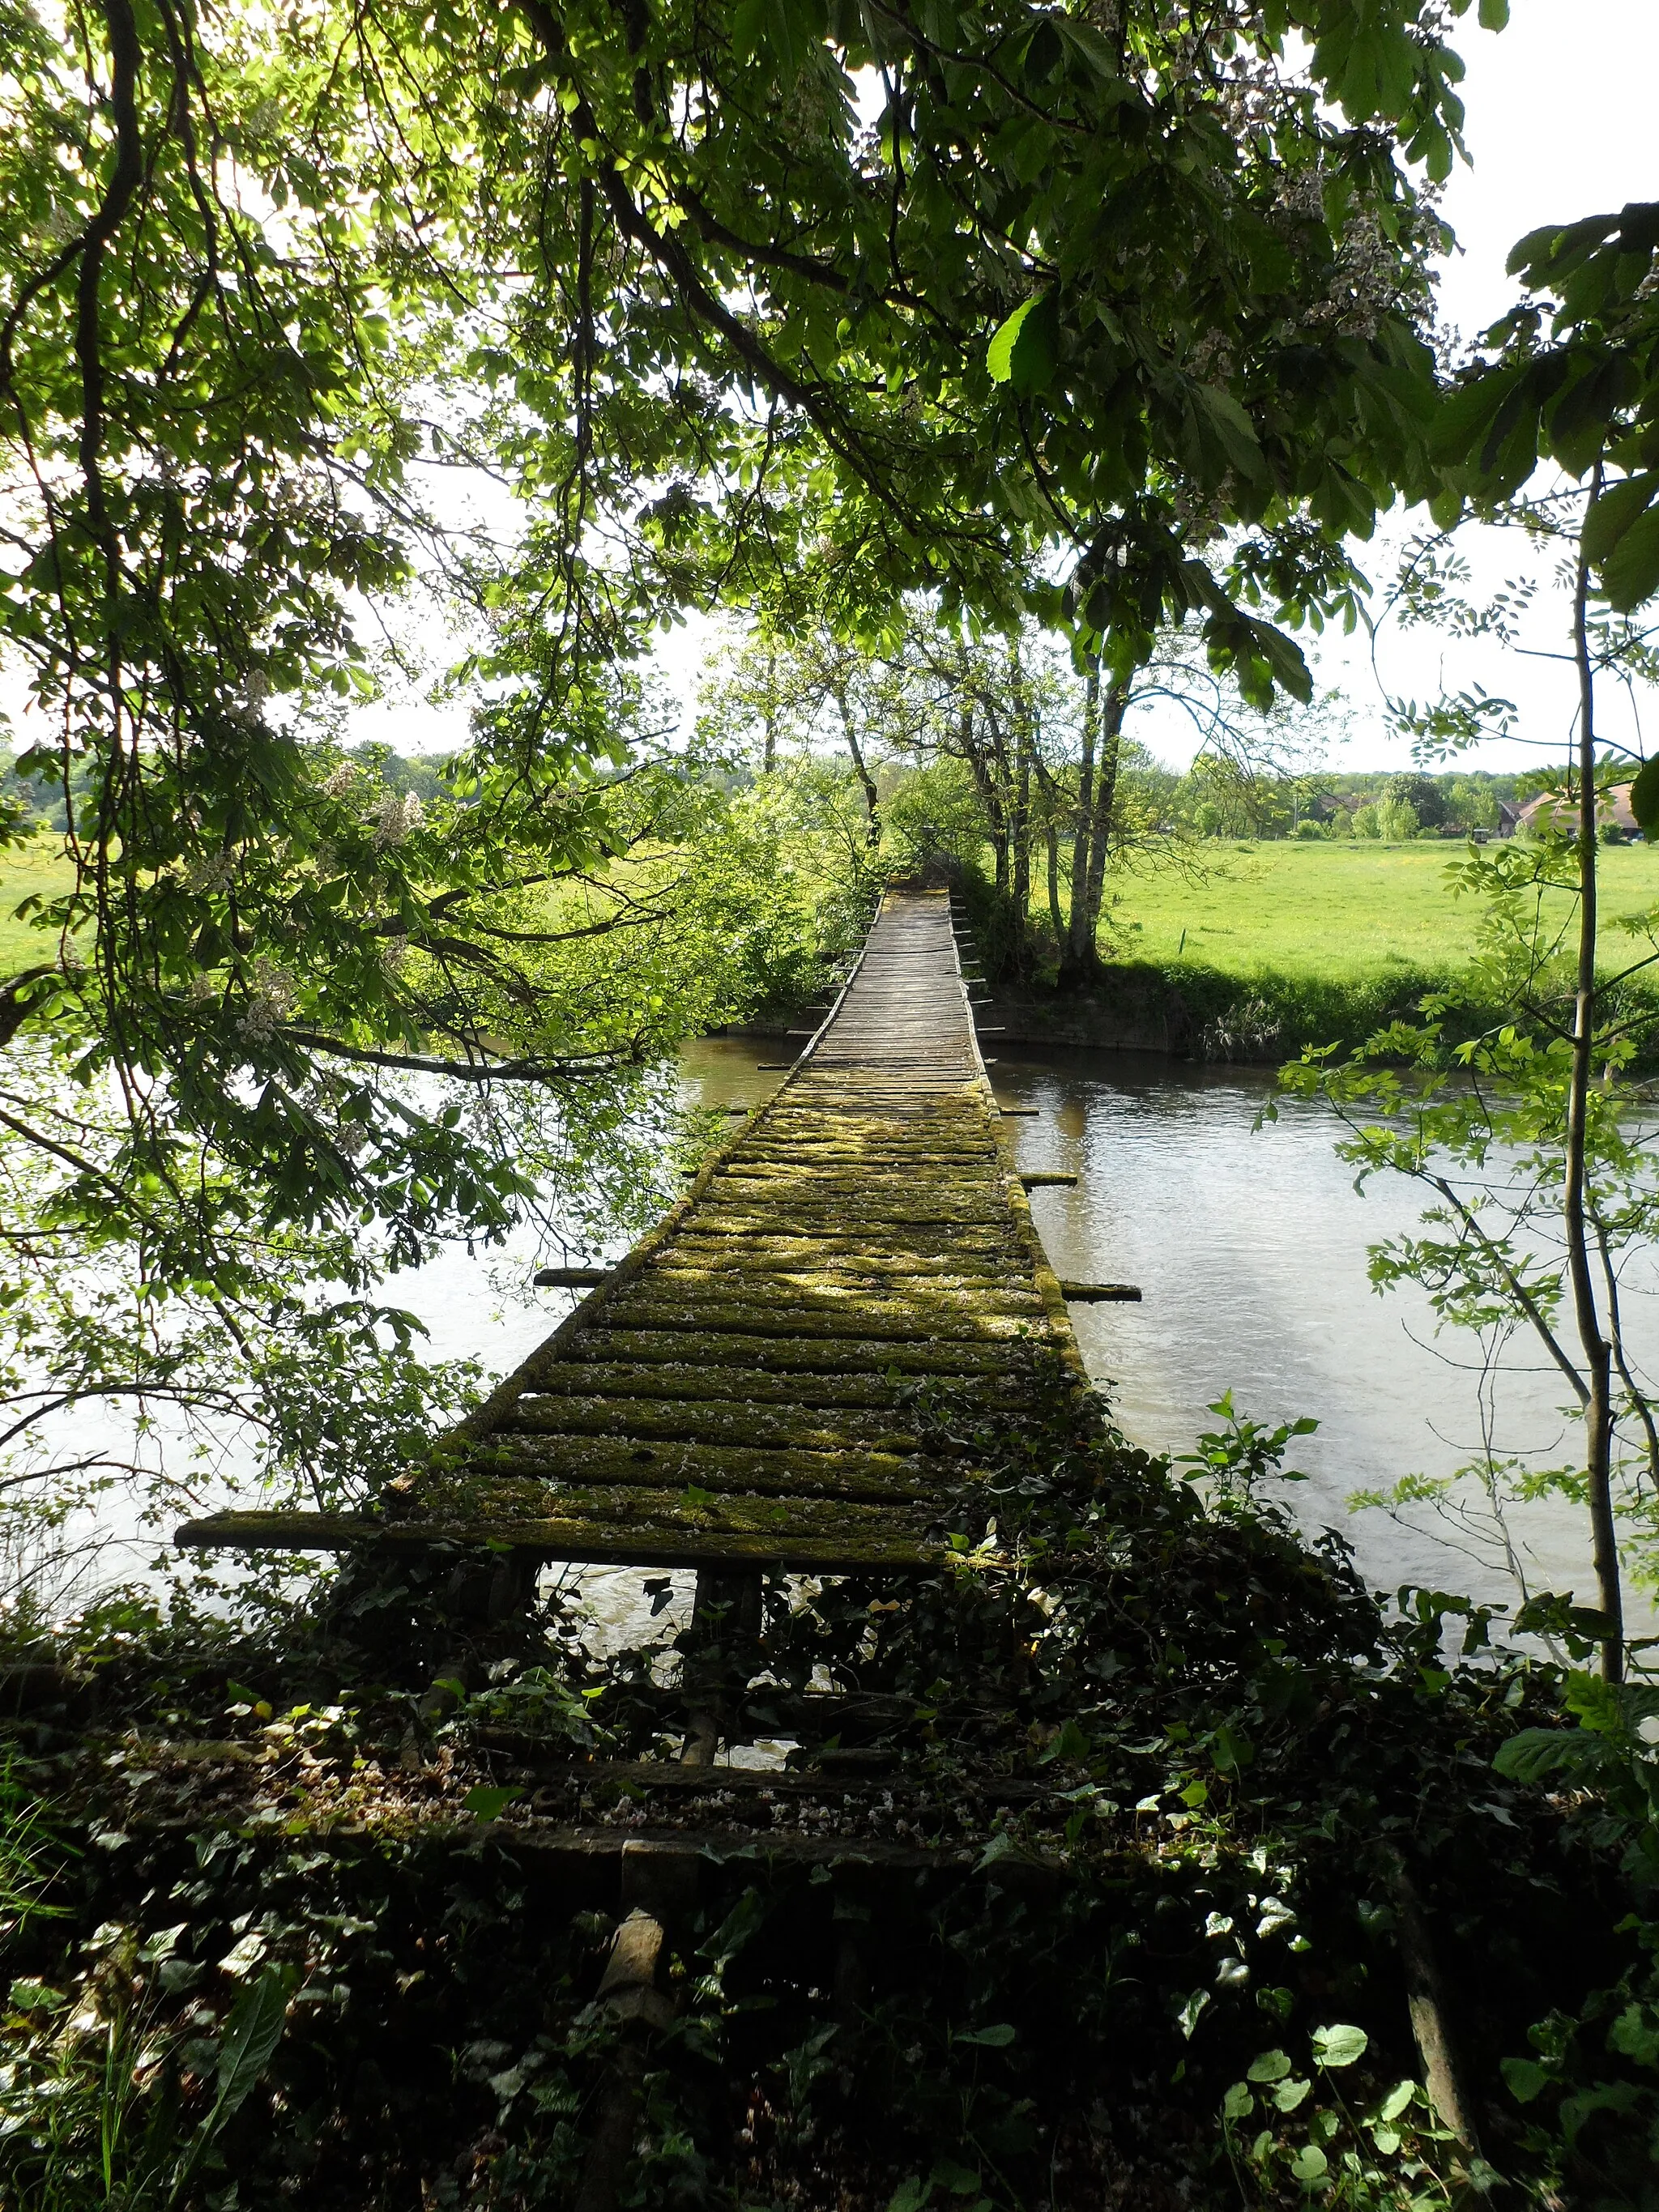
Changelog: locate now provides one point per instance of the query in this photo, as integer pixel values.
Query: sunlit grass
(1340, 912)
(37, 869)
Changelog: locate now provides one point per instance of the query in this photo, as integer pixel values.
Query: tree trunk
(1051, 838)
(1592, 1337)
(1115, 707)
(860, 769)
(1019, 701)
(1022, 834)
(1074, 947)
(985, 783)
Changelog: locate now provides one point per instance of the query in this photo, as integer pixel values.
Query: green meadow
(36, 870)
(1277, 944)
(1346, 911)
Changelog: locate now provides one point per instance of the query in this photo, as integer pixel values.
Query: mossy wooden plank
(773, 1470)
(694, 1509)
(715, 1421)
(921, 1320)
(842, 1217)
(748, 1386)
(844, 1355)
(885, 1278)
(596, 1544)
(991, 1242)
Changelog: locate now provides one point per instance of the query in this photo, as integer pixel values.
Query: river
(1250, 1246)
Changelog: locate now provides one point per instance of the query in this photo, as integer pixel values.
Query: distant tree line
(1217, 799)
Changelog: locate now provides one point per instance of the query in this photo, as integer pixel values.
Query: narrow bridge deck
(740, 1390)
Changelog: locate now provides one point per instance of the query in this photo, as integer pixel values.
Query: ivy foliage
(1169, 1760)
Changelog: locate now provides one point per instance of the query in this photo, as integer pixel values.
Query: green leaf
(1525, 2077)
(781, 30)
(1535, 1753)
(252, 2034)
(1615, 512)
(999, 354)
(487, 1804)
(1310, 2165)
(740, 1925)
(997, 2038)
(1494, 14)
(1338, 2046)
(1238, 2103)
(1084, 40)
(1271, 2066)
(1025, 351)
(1396, 2100)
(1001, 1846)
(1630, 573)
(1232, 1749)
(1635, 2034)
(910, 2195)
(1233, 428)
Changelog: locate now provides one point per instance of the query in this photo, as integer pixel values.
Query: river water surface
(1250, 1246)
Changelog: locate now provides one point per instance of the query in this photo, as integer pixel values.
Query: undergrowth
(1167, 1758)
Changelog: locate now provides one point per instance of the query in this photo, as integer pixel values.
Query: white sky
(1560, 125)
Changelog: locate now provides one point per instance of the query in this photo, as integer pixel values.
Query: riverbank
(1249, 953)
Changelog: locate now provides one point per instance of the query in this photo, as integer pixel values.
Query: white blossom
(400, 812)
(272, 996)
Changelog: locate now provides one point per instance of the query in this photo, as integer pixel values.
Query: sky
(1559, 124)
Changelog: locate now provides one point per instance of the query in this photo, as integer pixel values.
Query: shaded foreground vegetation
(1141, 1832)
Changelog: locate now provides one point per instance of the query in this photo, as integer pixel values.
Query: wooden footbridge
(738, 1393)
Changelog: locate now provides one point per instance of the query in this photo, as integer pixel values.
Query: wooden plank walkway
(739, 1391)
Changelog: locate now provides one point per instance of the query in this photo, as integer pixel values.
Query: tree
(266, 279)
(1424, 795)
(1575, 383)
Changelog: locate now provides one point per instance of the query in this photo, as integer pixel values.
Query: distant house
(1509, 815)
(1613, 809)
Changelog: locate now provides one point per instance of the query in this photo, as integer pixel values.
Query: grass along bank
(1353, 912)
(39, 869)
(1270, 946)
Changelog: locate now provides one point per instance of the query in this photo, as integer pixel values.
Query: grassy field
(1343, 913)
(39, 868)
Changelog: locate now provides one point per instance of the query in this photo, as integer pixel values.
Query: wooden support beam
(1041, 1179)
(1100, 1293)
(569, 1279)
(588, 1543)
